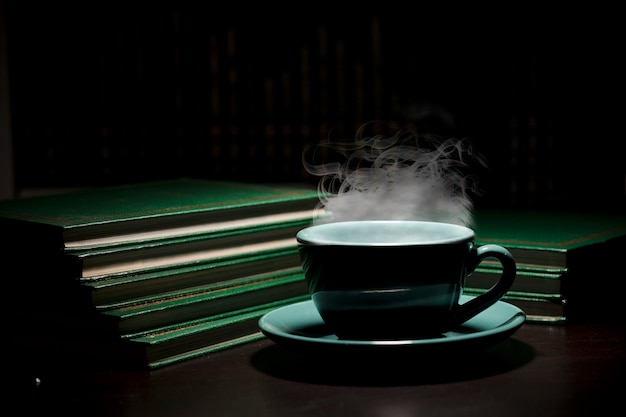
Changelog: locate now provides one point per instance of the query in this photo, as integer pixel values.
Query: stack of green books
(568, 263)
(149, 274)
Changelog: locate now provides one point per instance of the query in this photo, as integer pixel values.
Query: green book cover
(157, 347)
(102, 290)
(539, 308)
(151, 312)
(179, 298)
(548, 283)
(47, 288)
(550, 238)
(107, 216)
(169, 345)
(189, 305)
(167, 253)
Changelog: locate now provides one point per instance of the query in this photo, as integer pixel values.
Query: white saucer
(299, 326)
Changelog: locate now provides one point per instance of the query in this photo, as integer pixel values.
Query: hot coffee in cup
(388, 279)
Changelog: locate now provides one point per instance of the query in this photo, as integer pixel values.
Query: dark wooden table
(542, 370)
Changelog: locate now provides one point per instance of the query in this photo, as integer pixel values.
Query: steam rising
(394, 174)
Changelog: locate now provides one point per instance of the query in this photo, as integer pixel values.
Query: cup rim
(310, 234)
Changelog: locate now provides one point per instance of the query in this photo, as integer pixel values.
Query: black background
(105, 93)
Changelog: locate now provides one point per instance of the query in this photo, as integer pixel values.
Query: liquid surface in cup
(384, 233)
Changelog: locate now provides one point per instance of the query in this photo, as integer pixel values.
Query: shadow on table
(377, 368)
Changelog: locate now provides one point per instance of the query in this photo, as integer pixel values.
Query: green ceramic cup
(393, 279)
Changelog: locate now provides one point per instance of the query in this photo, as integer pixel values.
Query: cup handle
(472, 307)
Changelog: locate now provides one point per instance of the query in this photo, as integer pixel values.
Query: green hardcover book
(147, 313)
(158, 347)
(47, 290)
(107, 216)
(530, 281)
(539, 308)
(175, 343)
(167, 253)
(269, 282)
(579, 293)
(551, 238)
(169, 345)
(96, 292)
(573, 256)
